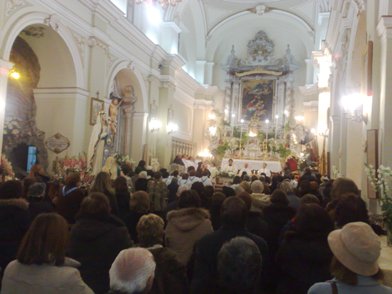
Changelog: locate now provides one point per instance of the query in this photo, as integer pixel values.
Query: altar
(274, 166)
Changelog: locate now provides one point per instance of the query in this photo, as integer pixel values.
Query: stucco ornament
(260, 49)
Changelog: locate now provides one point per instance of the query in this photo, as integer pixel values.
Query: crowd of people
(155, 232)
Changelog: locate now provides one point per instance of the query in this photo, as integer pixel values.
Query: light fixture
(299, 118)
(212, 130)
(276, 116)
(211, 116)
(267, 121)
(205, 153)
(14, 74)
(171, 127)
(163, 3)
(252, 134)
(353, 107)
(155, 124)
(242, 120)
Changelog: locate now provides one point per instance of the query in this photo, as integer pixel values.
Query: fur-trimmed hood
(186, 219)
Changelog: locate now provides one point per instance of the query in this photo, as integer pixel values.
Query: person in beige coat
(187, 225)
(41, 265)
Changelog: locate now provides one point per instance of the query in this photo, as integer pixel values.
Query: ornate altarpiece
(259, 86)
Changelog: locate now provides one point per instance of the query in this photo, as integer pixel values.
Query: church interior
(228, 91)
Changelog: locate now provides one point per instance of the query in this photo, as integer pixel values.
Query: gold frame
(96, 105)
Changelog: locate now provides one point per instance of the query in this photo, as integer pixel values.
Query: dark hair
(157, 175)
(141, 163)
(234, 211)
(45, 241)
(102, 183)
(96, 204)
(150, 230)
(120, 185)
(312, 222)
(239, 265)
(246, 198)
(72, 179)
(189, 198)
(279, 197)
(236, 180)
(11, 189)
(343, 186)
(140, 202)
(343, 274)
(228, 191)
(175, 173)
(309, 198)
(141, 184)
(350, 208)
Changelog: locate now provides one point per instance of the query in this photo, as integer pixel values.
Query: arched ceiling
(210, 26)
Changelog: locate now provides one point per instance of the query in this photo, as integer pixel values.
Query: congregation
(188, 232)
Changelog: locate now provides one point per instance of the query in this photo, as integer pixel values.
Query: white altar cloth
(274, 166)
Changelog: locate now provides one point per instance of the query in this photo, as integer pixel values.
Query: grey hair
(131, 270)
(257, 186)
(239, 264)
(286, 186)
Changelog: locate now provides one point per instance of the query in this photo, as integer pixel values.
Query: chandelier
(163, 3)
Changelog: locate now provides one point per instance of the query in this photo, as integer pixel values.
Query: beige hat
(357, 247)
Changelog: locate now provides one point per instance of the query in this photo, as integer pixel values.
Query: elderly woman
(356, 249)
(41, 265)
(170, 274)
(96, 239)
(140, 205)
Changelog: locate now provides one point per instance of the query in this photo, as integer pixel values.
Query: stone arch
(25, 18)
(133, 135)
(136, 78)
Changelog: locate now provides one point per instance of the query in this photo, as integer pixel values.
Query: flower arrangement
(75, 163)
(381, 180)
(6, 168)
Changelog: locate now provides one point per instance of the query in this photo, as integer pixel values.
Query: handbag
(334, 287)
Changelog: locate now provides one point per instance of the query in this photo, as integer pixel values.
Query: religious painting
(96, 106)
(257, 99)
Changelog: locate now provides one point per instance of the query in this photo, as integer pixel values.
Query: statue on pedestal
(96, 146)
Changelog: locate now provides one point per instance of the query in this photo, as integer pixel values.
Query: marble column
(384, 29)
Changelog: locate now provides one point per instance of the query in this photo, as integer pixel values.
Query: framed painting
(257, 99)
(96, 106)
(372, 157)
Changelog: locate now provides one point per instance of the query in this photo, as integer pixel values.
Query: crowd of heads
(289, 208)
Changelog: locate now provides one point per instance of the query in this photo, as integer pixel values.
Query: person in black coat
(96, 239)
(71, 196)
(14, 220)
(123, 197)
(304, 256)
(233, 216)
(38, 203)
(277, 215)
(140, 205)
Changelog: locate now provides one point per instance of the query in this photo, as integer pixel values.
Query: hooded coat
(95, 243)
(185, 227)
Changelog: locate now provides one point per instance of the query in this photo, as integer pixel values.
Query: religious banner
(257, 99)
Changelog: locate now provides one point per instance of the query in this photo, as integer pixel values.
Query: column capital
(384, 27)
